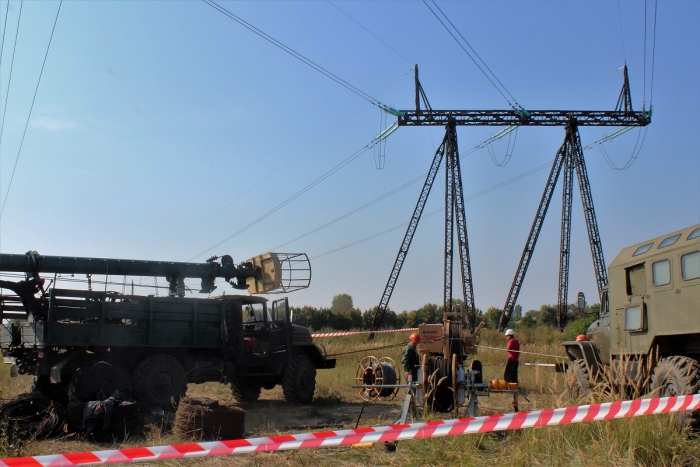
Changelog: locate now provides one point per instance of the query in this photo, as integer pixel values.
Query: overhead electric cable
(370, 32)
(485, 143)
(296, 195)
(437, 211)
(514, 103)
(196, 226)
(301, 58)
(36, 90)
(653, 55)
(12, 65)
(4, 30)
(622, 35)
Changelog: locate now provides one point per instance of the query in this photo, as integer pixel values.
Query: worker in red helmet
(410, 359)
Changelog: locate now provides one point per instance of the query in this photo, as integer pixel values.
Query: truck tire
(159, 381)
(299, 381)
(578, 379)
(245, 391)
(678, 376)
(98, 381)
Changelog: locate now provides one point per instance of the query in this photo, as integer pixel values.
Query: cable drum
(32, 416)
(377, 372)
(201, 419)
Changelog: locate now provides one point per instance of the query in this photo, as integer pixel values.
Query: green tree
(492, 317)
(530, 319)
(517, 313)
(548, 316)
(341, 303)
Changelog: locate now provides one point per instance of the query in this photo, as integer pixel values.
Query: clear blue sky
(161, 128)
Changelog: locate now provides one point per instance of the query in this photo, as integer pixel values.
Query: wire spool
(201, 419)
(455, 339)
(377, 372)
(439, 394)
(32, 416)
(126, 418)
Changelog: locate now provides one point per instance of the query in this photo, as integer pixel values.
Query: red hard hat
(581, 337)
(414, 338)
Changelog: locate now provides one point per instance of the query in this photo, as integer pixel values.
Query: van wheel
(244, 391)
(678, 376)
(578, 379)
(299, 382)
(159, 381)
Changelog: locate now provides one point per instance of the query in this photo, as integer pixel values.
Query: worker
(511, 373)
(410, 359)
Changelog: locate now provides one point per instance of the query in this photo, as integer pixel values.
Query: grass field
(644, 441)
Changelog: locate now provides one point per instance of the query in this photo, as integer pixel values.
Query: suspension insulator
(377, 372)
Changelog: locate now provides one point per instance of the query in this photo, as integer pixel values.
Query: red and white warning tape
(350, 333)
(433, 429)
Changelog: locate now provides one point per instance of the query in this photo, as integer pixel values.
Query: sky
(164, 130)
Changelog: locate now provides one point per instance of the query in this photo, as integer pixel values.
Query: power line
(653, 55)
(514, 103)
(374, 201)
(622, 35)
(370, 32)
(437, 211)
(30, 109)
(296, 195)
(12, 65)
(300, 57)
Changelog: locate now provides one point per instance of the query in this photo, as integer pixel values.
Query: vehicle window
(636, 282)
(642, 249)
(253, 312)
(661, 270)
(633, 318)
(690, 266)
(669, 241)
(694, 234)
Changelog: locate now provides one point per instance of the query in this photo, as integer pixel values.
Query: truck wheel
(245, 391)
(578, 379)
(299, 381)
(98, 381)
(159, 381)
(678, 376)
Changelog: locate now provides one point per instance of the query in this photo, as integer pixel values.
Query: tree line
(343, 316)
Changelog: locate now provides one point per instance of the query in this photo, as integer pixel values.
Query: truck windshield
(254, 313)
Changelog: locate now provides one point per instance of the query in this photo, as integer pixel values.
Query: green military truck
(647, 337)
(84, 344)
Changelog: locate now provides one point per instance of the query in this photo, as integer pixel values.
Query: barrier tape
(350, 333)
(432, 429)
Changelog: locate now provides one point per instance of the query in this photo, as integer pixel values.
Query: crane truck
(83, 344)
(647, 335)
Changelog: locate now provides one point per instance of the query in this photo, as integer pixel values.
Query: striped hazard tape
(432, 429)
(350, 333)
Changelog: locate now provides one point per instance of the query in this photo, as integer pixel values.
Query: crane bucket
(279, 273)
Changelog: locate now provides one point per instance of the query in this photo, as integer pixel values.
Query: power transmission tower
(569, 157)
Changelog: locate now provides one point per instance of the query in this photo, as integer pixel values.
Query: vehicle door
(280, 328)
(631, 317)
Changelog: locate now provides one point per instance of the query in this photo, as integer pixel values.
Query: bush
(580, 326)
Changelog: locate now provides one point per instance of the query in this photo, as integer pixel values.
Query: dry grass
(645, 441)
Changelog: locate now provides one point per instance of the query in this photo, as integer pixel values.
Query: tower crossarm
(524, 117)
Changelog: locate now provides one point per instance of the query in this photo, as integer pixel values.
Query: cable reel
(372, 371)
